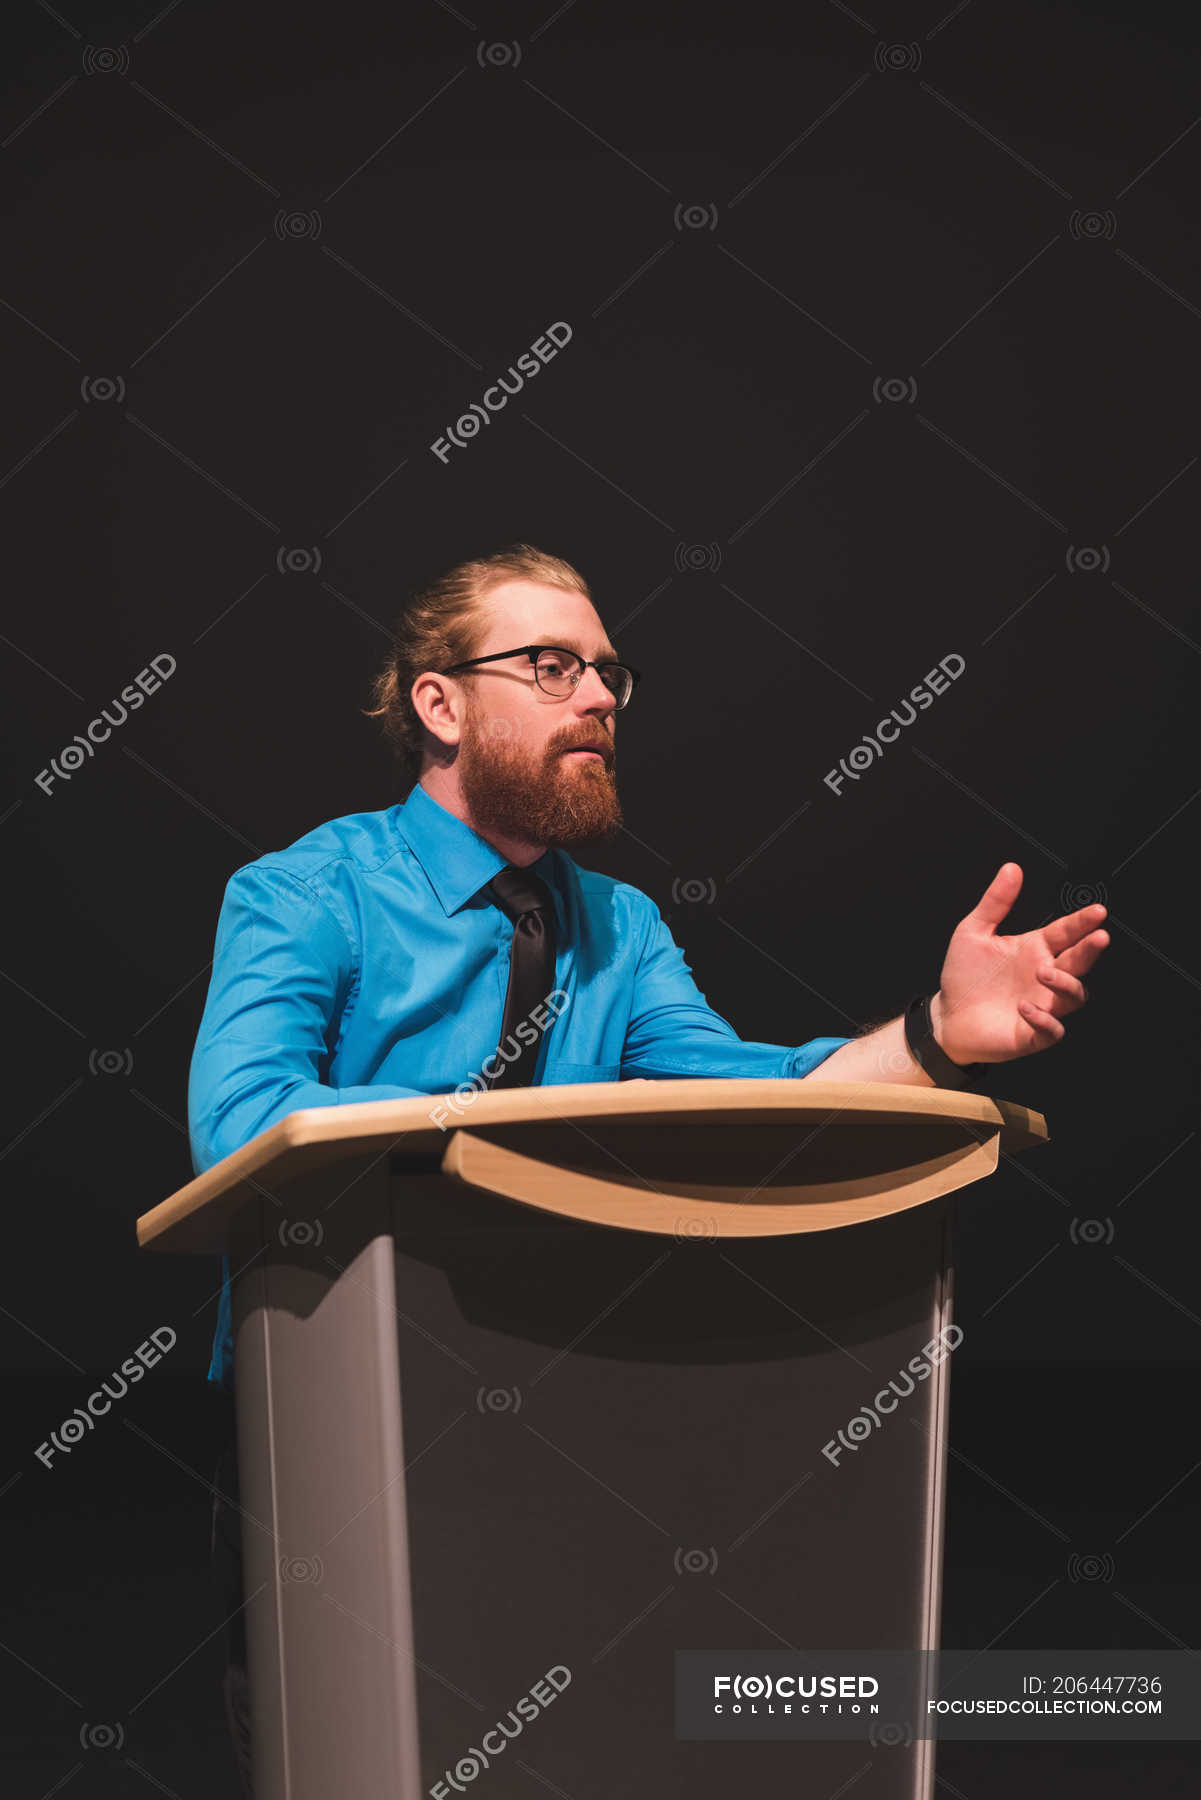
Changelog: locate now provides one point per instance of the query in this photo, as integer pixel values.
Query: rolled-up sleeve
(673, 1031)
(283, 969)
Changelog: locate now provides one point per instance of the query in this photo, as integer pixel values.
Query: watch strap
(923, 1047)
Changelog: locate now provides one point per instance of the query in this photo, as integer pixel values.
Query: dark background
(883, 349)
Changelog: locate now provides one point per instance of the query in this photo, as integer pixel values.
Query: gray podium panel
(321, 1461)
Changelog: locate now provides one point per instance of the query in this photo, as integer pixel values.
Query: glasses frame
(534, 651)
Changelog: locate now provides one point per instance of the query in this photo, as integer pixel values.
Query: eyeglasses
(559, 671)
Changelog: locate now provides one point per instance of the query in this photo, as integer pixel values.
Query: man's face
(519, 770)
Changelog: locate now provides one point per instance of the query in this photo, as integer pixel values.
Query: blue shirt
(362, 963)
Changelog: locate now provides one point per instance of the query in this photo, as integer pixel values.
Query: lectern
(535, 1392)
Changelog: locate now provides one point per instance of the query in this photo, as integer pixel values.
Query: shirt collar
(456, 859)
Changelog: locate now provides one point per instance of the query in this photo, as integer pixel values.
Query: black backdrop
(880, 341)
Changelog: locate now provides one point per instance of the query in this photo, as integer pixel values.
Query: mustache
(602, 746)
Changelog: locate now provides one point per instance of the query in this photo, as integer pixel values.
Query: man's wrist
(937, 1021)
(925, 1049)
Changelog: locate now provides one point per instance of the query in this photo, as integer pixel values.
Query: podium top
(707, 1120)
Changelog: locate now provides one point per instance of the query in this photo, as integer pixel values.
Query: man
(452, 943)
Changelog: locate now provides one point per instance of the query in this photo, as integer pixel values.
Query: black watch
(923, 1047)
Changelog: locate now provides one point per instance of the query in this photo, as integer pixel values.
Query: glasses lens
(557, 671)
(618, 681)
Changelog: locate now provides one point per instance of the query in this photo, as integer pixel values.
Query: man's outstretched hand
(1003, 997)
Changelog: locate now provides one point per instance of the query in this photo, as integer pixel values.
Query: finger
(1081, 957)
(1041, 1020)
(1063, 933)
(997, 897)
(1062, 983)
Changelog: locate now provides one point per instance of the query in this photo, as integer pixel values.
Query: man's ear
(439, 703)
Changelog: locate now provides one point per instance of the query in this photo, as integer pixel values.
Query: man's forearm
(880, 1055)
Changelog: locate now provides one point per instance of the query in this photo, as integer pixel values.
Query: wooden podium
(532, 1398)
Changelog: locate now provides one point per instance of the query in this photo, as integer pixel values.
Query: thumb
(997, 897)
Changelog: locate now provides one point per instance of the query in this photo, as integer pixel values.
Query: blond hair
(442, 623)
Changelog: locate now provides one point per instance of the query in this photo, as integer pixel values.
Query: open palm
(1003, 997)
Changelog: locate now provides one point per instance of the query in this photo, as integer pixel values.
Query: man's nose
(591, 695)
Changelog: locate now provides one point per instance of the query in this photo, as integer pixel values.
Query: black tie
(526, 899)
